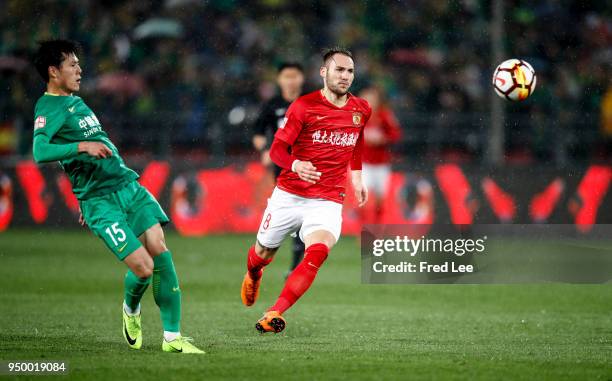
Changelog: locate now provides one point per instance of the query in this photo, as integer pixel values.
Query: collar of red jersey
(348, 98)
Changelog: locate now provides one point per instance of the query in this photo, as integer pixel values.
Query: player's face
(339, 74)
(291, 80)
(69, 74)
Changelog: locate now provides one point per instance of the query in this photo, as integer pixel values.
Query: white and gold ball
(514, 80)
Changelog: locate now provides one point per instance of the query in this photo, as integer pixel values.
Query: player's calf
(258, 258)
(252, 279)
(302, 277)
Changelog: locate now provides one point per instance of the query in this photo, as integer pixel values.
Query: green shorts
(119, 218)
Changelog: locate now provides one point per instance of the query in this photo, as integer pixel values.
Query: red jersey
(324, 134)
(384, 123)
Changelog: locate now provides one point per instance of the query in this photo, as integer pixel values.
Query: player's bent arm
(45, 152)
(95, 149)
(279, 153)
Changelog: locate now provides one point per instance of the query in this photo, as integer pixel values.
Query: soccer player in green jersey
(113, 204)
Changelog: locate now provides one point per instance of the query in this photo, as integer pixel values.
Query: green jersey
(60, 123)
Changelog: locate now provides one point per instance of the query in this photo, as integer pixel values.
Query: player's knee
(321, 236)
(155, 241)
(157, 247)
(146, 272)
(140, 263)
(143, 270)
(264, 252)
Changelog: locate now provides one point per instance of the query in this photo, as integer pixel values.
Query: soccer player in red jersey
(323, 129)
(290, 80)
(381, 131)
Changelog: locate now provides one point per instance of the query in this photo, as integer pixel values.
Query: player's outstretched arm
(45, 152)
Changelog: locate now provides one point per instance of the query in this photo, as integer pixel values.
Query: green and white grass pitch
(62, 292)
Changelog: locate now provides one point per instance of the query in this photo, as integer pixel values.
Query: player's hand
(95, 149)
(81, 219)
(265, 158)
(307, 171)
(361, 193)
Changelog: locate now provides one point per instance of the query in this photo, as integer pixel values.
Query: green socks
(166, 291)
(135, 287)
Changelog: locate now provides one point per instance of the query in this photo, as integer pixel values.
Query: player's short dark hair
(290, 65)
(52, 53)
(329, 53)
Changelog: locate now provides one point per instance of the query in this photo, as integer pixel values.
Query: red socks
(255, 264)
(302, 277)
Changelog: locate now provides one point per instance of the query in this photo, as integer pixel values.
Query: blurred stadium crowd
(187, 77)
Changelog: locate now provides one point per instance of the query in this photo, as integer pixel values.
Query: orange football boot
(250, 290)
(272, 321)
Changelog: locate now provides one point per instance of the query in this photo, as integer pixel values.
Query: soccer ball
(514, 80)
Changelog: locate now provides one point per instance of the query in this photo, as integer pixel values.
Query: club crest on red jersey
(357, 118)
(40, 122)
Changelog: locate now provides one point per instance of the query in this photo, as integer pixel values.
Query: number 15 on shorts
(116, 233)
